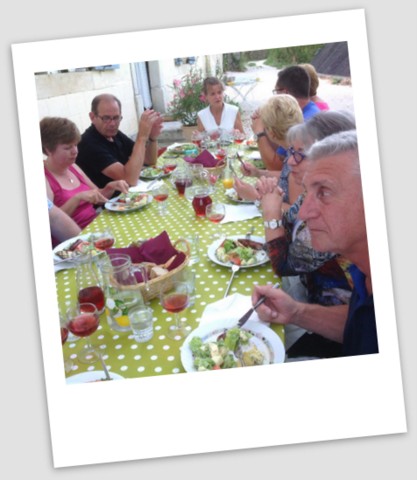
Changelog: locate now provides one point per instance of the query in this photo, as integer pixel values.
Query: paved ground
(339, 97)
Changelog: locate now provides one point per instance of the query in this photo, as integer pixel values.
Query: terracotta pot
(187, 131)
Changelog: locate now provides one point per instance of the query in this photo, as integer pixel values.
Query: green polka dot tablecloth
(161, 355)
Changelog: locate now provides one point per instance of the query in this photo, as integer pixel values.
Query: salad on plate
(241, 251)
(220, 353)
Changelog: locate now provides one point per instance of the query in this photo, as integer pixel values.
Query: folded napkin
(155, 250)
(229, 310)
(235, 213)
(142, 186)
(205, 158)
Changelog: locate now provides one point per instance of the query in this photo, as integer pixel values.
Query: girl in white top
(218, 115)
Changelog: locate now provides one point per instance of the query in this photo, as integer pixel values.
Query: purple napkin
(155, 250)
(205, 158)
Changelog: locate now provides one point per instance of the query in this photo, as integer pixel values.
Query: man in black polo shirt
(333, 210)
(105, 153)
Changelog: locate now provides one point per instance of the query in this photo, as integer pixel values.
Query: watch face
(273, 224)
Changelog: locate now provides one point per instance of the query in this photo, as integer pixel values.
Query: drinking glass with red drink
(238, 137)
(197, 137)
(83, 320)
(176, 300)
(89, 286)
(169, 165)
(68, 364)
(161, 194)
(103, 240)
(200, 201)
(181, 178)
(215, 212)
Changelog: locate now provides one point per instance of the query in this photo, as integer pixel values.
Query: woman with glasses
(68, 187)
(323, 275)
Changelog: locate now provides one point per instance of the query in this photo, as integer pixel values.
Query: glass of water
(141, 323)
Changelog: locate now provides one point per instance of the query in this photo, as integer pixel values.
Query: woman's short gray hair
(320, 126)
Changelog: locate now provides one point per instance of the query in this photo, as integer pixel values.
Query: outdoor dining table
(161, 355)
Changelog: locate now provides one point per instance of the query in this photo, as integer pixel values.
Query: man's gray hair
(342, 142)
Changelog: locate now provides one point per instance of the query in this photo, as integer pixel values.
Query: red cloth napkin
(155, 250)
(205, 158)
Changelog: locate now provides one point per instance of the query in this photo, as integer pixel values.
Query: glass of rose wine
(68, 364)
(215, 212)
(103, 240)
(175, 300)
(161, 194)
(83, 320)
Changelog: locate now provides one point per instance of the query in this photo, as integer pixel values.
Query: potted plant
(188, 98)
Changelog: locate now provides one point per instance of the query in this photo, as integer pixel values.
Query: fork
(248, 314)
(235, 268)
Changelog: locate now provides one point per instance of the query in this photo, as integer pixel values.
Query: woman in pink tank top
(66, 184)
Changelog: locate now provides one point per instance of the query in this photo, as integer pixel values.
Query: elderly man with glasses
(105, 153)
(333, 211)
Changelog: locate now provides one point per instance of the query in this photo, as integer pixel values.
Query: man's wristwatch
(273, 224)
(260, 134)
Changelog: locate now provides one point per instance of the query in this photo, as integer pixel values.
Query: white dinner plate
(113, 205)
(90, 377)
(70, 241)
(264, 338)
(261, 256)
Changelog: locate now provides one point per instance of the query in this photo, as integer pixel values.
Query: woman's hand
(271, 195)
(91, 196)
(118, 185)
(245, 190)
(249, 170)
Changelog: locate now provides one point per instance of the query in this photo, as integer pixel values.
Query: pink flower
(177, 83)
(202, 97)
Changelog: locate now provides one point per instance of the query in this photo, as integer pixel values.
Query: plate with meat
(128, 202)
(150, 173)
(238, 250)
(75, 247)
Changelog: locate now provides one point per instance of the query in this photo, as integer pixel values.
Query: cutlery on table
(247, 315)
(235, 268)
(241, 161)
(106, 371)
(250, 233)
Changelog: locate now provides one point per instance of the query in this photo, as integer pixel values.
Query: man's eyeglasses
(108, 118)
(298, 156)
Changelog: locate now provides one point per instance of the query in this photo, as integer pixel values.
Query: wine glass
(161, 194)
(83, 320)
(175, 300)
(169, 165)
(197, 137)
(103, 240)
(68, 364)
(215, 212)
